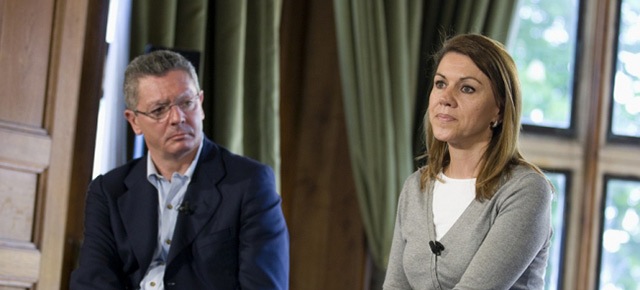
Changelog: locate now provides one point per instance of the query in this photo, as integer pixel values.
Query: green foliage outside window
(543, 47)
(626, 94)
(620, 254)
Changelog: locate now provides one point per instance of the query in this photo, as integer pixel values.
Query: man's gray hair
(157, 63)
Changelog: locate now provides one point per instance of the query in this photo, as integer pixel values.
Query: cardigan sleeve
(520, 231)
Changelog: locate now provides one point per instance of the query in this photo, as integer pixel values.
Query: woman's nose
(446, 98)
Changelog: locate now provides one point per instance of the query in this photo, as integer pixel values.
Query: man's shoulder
(119, 173)
(229, 159)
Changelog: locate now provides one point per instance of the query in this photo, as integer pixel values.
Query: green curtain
(448, 18)
(239, 65)
(378, 45)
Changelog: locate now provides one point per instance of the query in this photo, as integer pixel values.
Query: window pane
(543, 45)
(554, 267)
(626, 88)
(620, 252)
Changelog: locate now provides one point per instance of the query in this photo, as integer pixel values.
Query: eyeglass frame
(151, 115)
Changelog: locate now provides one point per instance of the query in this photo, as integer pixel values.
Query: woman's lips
(445, 117)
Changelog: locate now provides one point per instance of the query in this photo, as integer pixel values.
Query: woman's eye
(439, 84)
(467, 89)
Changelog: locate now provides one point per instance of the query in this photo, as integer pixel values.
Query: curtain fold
(378, 52)
(445, 19)
(238, 41)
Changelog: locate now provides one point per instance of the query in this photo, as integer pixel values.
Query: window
(553, 277)
(575, 116)
(625, 112)
(620, 246)
(543, 45)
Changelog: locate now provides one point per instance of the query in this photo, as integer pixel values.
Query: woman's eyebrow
(471, 78)
(462, 79)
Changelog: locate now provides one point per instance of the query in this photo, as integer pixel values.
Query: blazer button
(168, 241)
(170, 206)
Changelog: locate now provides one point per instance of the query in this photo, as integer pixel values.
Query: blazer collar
(138, 208)
(203, 198)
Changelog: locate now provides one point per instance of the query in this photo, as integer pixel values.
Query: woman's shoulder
(522, 172)
(413, 180)
(524, 179)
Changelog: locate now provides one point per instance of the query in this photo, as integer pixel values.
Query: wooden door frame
(73, 93)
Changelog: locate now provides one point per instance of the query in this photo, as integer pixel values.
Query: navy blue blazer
(234, 235)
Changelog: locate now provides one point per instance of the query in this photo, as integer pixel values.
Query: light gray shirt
(170, 196)
(501, 243)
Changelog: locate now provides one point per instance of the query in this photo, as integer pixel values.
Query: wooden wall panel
(41, 56)
(25, 40)
(23, 147)
(63, 97)
(17, 200)
(319, 199)
(25, 37)
(19, 266)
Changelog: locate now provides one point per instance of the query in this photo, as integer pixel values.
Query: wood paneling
(63, 83)
(17, 200)
(23, 147)
(25, 37)
(19, 267)
(41, 55)
(319, 198)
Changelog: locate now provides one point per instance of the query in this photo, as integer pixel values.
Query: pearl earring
(494, 124)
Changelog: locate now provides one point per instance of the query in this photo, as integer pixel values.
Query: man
(189, 214)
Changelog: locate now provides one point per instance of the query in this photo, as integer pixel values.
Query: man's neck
(167, 165)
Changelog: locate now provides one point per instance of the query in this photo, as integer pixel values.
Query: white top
(450, 199)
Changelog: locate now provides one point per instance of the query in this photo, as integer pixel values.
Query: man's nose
(176, 115)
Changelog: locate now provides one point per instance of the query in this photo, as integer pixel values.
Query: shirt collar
(152, 171)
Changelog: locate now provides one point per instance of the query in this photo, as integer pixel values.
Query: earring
(494, 124)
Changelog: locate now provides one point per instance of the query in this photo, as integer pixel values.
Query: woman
(477, 216)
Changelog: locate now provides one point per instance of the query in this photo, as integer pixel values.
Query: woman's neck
(464, 163)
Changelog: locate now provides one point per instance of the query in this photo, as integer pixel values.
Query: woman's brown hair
(502, 152)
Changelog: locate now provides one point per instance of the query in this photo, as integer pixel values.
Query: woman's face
(462, 105)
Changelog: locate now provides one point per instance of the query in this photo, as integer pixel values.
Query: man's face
(177, 133)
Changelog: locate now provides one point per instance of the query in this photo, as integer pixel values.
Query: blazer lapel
(139, 211)
(203, 198)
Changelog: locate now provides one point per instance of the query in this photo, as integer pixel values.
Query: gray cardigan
(501, 243)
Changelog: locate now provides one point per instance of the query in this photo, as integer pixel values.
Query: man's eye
(159, 110)
(468, 89)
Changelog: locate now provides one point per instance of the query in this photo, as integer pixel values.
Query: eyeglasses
(160, 112)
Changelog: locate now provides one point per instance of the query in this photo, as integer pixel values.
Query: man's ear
(201, 100)
(133, 121)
